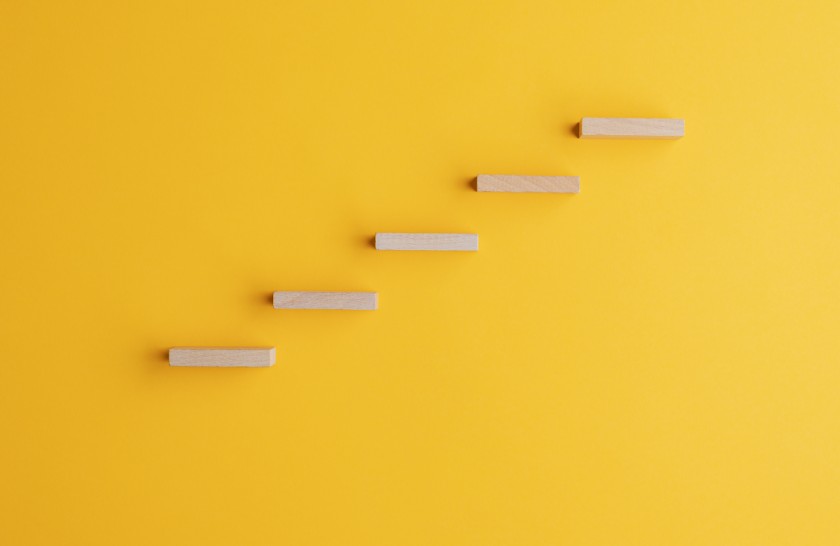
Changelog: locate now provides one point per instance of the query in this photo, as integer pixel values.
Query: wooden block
(353, 301)
(528, 184)
(222, 357)
(426, 241)
(651, 128)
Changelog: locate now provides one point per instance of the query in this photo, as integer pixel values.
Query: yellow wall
(655, 361)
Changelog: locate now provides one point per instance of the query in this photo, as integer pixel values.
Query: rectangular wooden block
(654, 128)
(528, 184)
(222, 357)
(426, 241)
(352, 301)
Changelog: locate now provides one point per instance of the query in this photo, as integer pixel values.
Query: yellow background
(651, 362)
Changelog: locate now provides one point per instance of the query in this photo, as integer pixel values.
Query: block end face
(680, 132)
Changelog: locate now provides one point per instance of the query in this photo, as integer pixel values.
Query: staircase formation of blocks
(260, 357)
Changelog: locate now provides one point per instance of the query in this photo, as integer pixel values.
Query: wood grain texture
(427, 241)
(642, 128)
(222, 357)
(528, 184)
(351, 301)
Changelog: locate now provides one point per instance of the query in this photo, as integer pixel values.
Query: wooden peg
(352, 301)
(223, 357)
(528, 184)
(426, 241)
(644, 128)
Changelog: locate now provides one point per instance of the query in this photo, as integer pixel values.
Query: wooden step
(528, 184)
(351, 301)
(643, 128)
(222, 357)
(427, 241)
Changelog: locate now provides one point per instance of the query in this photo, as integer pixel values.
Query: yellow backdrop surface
(655, 361)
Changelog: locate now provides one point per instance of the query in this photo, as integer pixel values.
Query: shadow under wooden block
(222, 357)
(427, 241)
(347, 301)
(528, 184)
(630, 128)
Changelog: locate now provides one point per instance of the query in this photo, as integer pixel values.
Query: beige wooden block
(644, 128)
(528, 184)
(351, 301)
(426, 241)
(222, 357)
